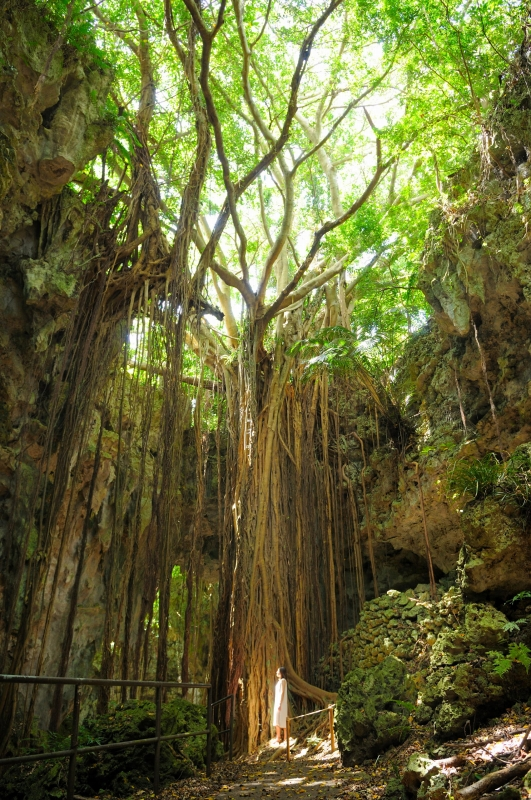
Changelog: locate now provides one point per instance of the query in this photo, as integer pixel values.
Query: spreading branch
(381, 169)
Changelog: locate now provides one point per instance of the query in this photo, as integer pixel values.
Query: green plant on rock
(508, 481)
(525, 595)
(475, 478)
(518, 653)
(514, 627)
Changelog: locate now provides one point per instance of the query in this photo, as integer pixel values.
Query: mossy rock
(121, 770)
(482, 631)
(461, 694)
(372, 710)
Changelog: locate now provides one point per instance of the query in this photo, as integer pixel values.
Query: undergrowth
(508, 481)
(119, 772)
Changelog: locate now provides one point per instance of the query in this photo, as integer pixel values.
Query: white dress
(279, 717)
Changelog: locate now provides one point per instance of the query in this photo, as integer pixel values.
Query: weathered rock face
(496, 537)
(399, 624)
(52, 120)
(476, 348)
(372, 710)
(447, 670)
(52, 117)
(461, 685)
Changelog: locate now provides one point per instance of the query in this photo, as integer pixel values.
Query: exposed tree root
(494, 780)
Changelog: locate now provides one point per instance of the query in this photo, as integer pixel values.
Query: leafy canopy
(404, 83)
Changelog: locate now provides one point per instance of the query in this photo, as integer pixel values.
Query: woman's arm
(282, 692)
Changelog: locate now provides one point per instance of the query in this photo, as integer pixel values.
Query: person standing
(281, 703)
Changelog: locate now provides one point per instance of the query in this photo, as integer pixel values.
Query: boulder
(372, 710)
(481, 631)
(461, 694)
(420, 768)
(461, 685)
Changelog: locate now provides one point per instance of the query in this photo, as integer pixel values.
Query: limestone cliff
(465, 379)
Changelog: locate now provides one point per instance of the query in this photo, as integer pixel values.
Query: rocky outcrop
(465, 378)
(461, 685)
(52, 120)
(496, 537)
(372, 711)
(435, 655)
(400, 624)
(52, 116)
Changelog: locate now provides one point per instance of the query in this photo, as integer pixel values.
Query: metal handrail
(74, 750)
(330, 710)
(230, 729)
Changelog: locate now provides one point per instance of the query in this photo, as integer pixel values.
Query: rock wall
(465, 379)
(411, 657)
(53, 120)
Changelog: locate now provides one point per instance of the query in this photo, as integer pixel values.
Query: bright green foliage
(518, 653)
(334, 349)
(77, 27)
(514, 627)
(520, 596)
(475, 478)
(425, 76)
(509, 481)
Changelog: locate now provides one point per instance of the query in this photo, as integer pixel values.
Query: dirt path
(305, 776)
(312, 774)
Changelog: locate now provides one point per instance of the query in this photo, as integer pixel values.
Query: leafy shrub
(116, 771)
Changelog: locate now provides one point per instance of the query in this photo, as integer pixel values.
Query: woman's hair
(283, 672)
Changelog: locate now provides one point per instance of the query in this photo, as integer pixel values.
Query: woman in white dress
(281, 703)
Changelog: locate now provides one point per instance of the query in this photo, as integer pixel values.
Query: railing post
(158, 700)
(287, 739)
(231, 732)
(209, 729)
(331, 721)
(72, 764)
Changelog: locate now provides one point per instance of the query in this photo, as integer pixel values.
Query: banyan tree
(213, 215)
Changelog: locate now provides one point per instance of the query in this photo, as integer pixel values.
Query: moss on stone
(372, 710)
